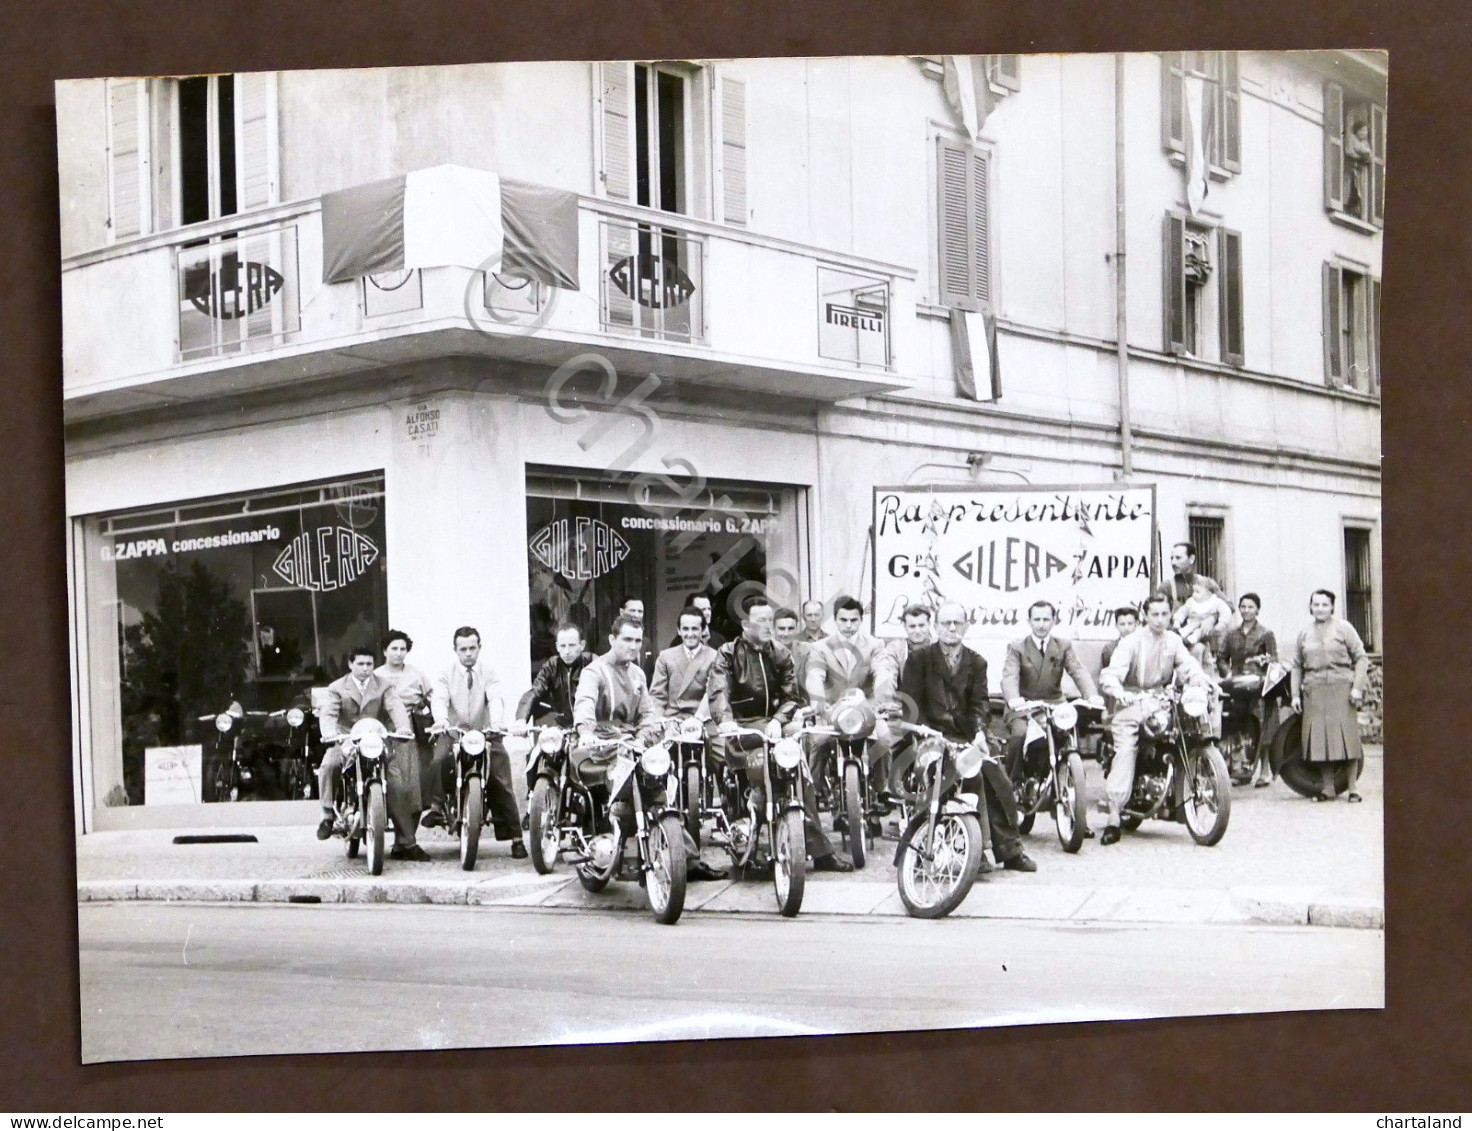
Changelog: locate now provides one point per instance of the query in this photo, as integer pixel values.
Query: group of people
(784, 659)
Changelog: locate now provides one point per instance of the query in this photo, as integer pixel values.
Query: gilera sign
(995, 551)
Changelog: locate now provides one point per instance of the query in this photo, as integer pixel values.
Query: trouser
(1120, 783)
(995, 788)
(505, 818)
(740, 747)
(401, 758)
(1017, 745)
(878, 756)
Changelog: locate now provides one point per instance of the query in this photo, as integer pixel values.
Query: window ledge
(1351, 221)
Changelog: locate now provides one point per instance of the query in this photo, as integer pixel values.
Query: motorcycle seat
(1243, 686)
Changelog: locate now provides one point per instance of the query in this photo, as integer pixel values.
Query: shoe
(699, 870)
(833, 862)
(1354, 798)
(518, 850)
(1088, 834)
(1022, 862)
(1262, 783)
(526, 822)
(1110, 835)
(324, 830)
(412, 852)
(432, 819)
(840, 824)
(1321, 797)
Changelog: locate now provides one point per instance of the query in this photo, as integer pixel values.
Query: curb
(989, 899)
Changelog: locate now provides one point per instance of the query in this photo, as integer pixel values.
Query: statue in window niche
(1357, 154)
(1198, 259)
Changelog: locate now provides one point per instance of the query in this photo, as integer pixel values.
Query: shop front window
(240, 606)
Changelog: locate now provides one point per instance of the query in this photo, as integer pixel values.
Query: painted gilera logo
(236, 289)
(579, 549)
(325, 559)
(657, 283)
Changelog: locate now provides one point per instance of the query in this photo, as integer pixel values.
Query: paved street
(194, 980)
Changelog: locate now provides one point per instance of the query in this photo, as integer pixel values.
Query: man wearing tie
(1033, 670)
(461, 698)
(682, 672)
(1149, 658)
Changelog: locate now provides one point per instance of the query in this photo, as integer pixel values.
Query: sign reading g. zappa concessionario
(995, 551)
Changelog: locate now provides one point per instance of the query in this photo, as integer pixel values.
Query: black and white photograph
(583, 552)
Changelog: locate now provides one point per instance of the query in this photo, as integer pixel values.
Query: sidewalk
(1284, 860)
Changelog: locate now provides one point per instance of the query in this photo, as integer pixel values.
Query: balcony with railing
(239, 304)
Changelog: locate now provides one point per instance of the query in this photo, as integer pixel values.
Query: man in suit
(364, 694)
(461, 698)
(917, 635)
(947, 683)
(701, 602)
(682, 673)
(1033, 670)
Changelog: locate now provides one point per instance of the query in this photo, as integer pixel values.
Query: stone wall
(1372, 711)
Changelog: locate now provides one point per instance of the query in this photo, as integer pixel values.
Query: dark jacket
(553, 690)
(953, 703)
(751, 682)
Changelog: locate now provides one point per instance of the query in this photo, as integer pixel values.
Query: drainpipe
(1122, 349)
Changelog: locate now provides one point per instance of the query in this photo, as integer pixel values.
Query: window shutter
(1377, 165)
(1173, 102)
(1333, 322)
(1175, 283)
(1333, 147)
(256, 151)
(733, 151)
(1229, 118)
(615, 96)
(127, 158)
(981, 251)
(1004, 71)
(1230, 293)
(955, 215)
(1374, 324)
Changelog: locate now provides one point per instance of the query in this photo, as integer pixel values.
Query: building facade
(757, 327)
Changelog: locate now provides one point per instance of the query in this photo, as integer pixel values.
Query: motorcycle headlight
(295, 717)
(691, 730)
(787, 753)
(853, 719)
(929, 753)
(551, 740)
(968, 762)
(472, 742)
(371, 746)
(1194, 701)
(656, 760)
(224, 721)
(1065, 716)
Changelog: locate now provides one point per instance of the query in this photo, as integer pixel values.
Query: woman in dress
(411, 776)
(1329, 671)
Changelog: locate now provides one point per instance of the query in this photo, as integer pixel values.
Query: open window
(1221, 107)
(1351, 328)
(1354, 157)
(1203, 291)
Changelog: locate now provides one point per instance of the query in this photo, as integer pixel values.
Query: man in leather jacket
(752, 684)
(551, 697)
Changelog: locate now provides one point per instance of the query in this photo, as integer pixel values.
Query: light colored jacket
(1144, 661)
(346, 703)
(840, 663)
(458, 701)
(681, 680)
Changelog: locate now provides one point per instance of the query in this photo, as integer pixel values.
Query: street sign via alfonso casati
(995, 551)
(231, 288)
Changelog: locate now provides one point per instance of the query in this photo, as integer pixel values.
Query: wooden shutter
(1334, 315)
(127, 158)
(1374, 335)
(615, 98)
(256, 151)
(1333, 147)
(733, 151)
(1377, 165)
(1004, 71)
(1173, 102)
(964, 228)
(1229, 290)
(1175, 283)
(1229, 113)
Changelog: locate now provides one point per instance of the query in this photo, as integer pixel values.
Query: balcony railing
(238, 292)
(652, 281)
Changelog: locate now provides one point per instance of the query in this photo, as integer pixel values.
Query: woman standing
(1329, 671)
(410, 775)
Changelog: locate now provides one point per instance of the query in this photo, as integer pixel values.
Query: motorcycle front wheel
(1070, 804)
(665, 880)
(1208, 796)
(693, 803)
(472, 817)
(936, 873)
(859, 841)
(789, 862)
(542, 823)
(377, 821)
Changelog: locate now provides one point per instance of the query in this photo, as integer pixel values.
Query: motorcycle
(1180, 774)
(1057, 784)
(686, 736)
(740, 824)
(1242, 733)
(845, 778)
(360, 806)
(640, 778)
(463, 806)
(298, 751)
(553, 792)
(940, 850)
(234, 768)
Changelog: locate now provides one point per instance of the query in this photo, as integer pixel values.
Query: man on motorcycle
(947, 683)
(1150, 658)
(363, 694)
(613, 698)
(682, 673)
(461, 698)
(752, 685)
(551, 695)
(1033, 671)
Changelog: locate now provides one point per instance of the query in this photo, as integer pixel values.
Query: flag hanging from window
(451, 216)
(974, 348)
(968, 92)
(1197, 184)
